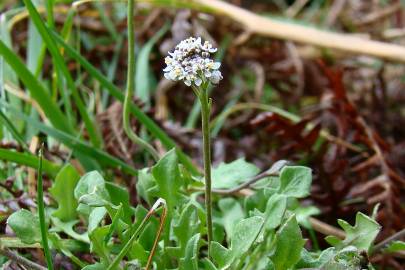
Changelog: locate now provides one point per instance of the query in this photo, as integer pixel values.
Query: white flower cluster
(190, 62)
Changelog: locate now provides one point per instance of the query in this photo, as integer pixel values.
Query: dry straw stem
(278, 29)
(304, 34)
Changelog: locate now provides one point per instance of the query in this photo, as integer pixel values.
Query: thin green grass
(75, 144)
(37, 90)
(29, 160)
(94, 134)
(41, 212)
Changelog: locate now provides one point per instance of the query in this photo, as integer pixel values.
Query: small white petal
(216, 77)
(198, 81)
(216, 65)
(172, 75)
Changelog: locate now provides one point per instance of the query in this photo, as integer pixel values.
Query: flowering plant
(190, 62)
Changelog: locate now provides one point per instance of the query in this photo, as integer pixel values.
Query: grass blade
(13, 131)
(75, 143)
(6, 71)
(29, 160)
(111, 69)
(142, 77)
(94, 135)
(37, 90)
(41, 212)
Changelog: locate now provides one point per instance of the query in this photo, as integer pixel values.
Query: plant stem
(205, 118)
(131, 85)
(156, 242)
(387, 241)
(41, 212)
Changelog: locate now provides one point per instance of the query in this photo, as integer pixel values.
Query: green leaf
(295, 181)
(232, 213)
(67, 227)
(258, 200)
(115, 222)
(63, 192)
(333, 240)
(190, 260)
(186, 226)
(97, 198)
(87, 183)
(91, 192)
(244, 235)
(26, 226)
(361, 235)
(315, 260)
(120, 195)
(304, 213)
(228, 175)
(95, 217)
(208, 265)
(221, 255)
(348, 258)
(145, 184)
(97, 243)
(167, 175)
(395, 246)
(96, 266)
(288, 245)
(138, 252)
(275, 209)
(146, 236)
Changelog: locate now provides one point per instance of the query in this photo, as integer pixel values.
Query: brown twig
(326, 229)
(379, 14)
(244, 185)
(387, 241)
(295, 8)
(155, 243)
(20, 260)
(334, 12)
(273, 171)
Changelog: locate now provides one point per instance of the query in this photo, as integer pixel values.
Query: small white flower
(191, 62)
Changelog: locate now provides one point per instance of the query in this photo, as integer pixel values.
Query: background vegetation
(303, 82)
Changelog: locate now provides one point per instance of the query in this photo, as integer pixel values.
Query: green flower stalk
(190, 62)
